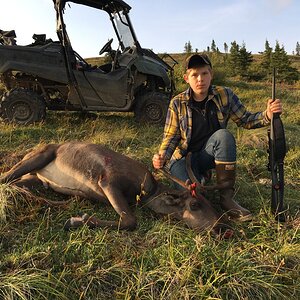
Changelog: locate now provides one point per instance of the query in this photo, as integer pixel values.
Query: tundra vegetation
(161, 259)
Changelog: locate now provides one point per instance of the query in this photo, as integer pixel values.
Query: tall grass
(161, 259)
(29, 284)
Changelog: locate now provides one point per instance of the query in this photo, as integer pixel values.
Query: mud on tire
(22, 106)
(151, 108)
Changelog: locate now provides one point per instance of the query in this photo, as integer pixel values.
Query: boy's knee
(225, 136)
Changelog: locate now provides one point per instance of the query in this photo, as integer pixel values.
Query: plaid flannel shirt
(178, 126)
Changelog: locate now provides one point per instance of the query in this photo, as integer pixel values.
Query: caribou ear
(173, 199)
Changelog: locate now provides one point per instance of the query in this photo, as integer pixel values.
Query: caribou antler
(191, 187)
(188, 161)
(173, 178)
(194, 179)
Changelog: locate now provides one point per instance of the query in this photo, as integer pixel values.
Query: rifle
(277, 151)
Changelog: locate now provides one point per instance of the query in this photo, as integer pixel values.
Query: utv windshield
(123, 29)
(118, 12)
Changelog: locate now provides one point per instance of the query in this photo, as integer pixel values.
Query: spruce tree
(233, 61)
(281, 62)
(266, 64)
(188, 47)
(245, 60)
(225, 47)
(213, 46)
(297, 48)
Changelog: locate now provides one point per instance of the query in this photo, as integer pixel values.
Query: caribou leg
(31, 162)
(119, 203)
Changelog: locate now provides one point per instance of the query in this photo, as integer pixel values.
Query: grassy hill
(180, 57)
(221, 72)
(161, 259)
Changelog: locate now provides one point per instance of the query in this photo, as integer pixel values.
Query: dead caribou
(95, 172)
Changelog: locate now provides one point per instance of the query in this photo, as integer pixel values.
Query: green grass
(161, 259)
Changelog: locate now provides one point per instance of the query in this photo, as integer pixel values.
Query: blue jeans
(220, 147)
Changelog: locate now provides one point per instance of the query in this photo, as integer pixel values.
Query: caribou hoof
(237, 217)
(76, 222)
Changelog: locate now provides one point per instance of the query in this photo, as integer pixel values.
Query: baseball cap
(197, 60)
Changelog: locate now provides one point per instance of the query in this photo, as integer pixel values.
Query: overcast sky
(164, 25)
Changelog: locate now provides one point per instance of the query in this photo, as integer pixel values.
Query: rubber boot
(226, 174)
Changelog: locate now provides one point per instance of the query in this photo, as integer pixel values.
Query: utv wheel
(151, 108)
(22, 106)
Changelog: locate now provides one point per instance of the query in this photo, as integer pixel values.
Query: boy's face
(199, 79)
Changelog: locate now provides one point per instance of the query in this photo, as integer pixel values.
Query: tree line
(236, 60)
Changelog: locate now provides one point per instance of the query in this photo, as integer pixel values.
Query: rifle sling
(278, 138)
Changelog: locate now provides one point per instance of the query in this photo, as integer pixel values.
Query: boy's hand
(158, 161)
(273, 107)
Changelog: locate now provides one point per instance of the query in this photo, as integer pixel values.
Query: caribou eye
(195, 205)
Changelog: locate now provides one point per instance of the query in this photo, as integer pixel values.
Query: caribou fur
(95, 172)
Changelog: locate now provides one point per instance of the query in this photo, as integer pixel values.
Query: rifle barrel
(274, 84)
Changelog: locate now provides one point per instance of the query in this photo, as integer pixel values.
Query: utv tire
(151, 108)
(22, 106)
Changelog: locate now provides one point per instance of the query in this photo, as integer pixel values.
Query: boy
(196, 122)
